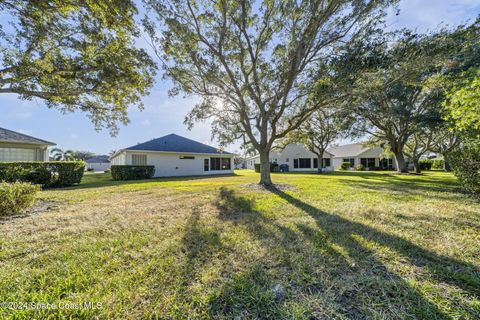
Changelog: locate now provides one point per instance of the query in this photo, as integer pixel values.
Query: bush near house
(345, 165)
(465, 163)
(438, 164)
(50, 174)
(426, 164)
(359, 167)
(16, 197)
(128, 172)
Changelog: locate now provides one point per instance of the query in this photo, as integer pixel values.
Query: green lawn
(347, 245)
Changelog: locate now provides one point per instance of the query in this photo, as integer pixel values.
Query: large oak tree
(399, 90)
(255, 63)
(75, 55)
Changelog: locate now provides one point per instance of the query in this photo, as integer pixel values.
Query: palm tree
(60, 155)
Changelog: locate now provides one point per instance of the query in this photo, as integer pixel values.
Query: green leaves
(76, 56)
(463, 104)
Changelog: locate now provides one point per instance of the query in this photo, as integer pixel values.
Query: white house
(297, 157)
(98, 163)
(16, 146)
(358, 153)
(173, 155)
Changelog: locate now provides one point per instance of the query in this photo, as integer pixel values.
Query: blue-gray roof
(17, 137)
(176, 143)
(98, 159)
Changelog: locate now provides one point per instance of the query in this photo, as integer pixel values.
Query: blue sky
(163, 115)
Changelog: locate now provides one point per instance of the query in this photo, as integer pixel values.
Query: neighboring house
(15, 146)
(98, 163)
(173, 155)
(297, 157)
(358, 153)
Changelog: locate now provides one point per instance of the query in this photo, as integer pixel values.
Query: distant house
(16, 146)
(98, 163)
(358, 153)
(173, 155)
(297, 157)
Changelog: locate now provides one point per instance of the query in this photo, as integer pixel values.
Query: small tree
(256, 63)
(320, 130)
(418, 145)
(444, 141)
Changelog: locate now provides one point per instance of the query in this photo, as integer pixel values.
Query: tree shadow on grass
(353, 283)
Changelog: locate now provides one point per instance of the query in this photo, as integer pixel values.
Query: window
(326, 162)
(205, 165)
(17, 154)
(287, 160)
(220, 164)
(187, 157)
(386, 164)
(302, 163)
(139, 159)
(367, 162)
(351, 160)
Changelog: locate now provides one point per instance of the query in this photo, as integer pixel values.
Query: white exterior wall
(98, 166)
(370, 153)
(286, 156)
(170, 164)
(119, 159)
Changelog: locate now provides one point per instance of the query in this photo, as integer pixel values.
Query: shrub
(345, 165)
(438, 164)
(16, 197)
(257, 167)
(48, 174)
(465, 163)
(425, 164)
(89, 169)
(127, 172)
(359, 167)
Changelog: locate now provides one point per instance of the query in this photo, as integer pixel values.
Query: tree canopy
(75, 56)
(399, 89)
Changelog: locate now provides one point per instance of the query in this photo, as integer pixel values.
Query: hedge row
(16, 197)
(429, 164)
(127, 172)
(48, 174)
(465, 163)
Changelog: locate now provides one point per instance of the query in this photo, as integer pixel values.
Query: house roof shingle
(98, 159)
(348, 150)
(17, 137)
(176, 143)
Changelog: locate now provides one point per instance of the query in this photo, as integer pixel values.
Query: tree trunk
(400, 162)
(320, 164)
(265, 179)
(416, 164)
(446, 165)
(397, 149)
